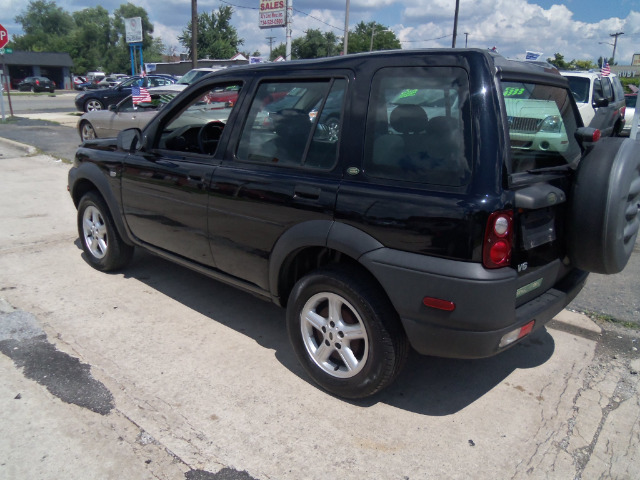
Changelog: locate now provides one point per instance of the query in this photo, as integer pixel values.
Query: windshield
(580, 88)
(541, 124)
(191, 76)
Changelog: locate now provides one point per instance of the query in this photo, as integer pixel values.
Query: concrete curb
(29, 149)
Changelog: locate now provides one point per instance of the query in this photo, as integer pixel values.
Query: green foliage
(94, 39)
(626, 81)
(583, 65)
(372, 36)
(559, 62)
(216, 37)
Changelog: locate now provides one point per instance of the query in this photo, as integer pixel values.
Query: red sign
(4, 36)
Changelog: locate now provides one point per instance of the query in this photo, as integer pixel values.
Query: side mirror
(112, 107)
(600, 102)
(130, 140)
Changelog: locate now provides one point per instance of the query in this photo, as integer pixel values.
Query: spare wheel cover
(603, 220)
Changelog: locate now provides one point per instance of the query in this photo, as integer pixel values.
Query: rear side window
(541, 124)
(294, 124)
(608, 91)
(418, 127)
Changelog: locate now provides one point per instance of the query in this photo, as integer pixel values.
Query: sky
(578, 29)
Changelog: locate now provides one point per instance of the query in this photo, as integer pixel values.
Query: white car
(600, 100)
(190, 77)
(630, 100)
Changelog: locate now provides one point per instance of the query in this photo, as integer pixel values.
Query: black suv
(445, 200)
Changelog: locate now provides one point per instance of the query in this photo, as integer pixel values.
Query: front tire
(104, 248)
(345, 332)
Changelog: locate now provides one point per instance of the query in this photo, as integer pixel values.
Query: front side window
(197, 128)
(418, 126)
(294, 124)
(541, 125)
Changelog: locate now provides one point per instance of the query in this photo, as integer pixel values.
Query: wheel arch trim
(92, 174)
(330, 234)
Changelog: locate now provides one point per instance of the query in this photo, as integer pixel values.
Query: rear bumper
(486, 305)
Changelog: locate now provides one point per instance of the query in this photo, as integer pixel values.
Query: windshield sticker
(513, 92)
(409, 93)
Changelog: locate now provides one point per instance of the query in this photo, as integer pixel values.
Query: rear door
(279, 171)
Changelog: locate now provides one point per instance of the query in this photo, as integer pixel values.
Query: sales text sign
(273, 13)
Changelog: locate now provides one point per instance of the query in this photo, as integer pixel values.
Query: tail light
(498, 240)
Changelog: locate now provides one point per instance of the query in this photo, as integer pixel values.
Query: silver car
(126, 114)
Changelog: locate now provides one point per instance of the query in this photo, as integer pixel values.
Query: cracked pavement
(202, 384)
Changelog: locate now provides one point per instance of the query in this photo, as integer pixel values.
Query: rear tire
(104, 248)
(93, 105)
(87, 132)
(345, 332)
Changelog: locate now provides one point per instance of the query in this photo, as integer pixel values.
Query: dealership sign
(133, 29)
(273, 13)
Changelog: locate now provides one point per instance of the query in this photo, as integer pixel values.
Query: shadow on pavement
(427, 385)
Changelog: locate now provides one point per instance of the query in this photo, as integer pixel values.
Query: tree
(372, 36)
(314, 44)
(559, 62)
(93, 38)
(582, 65)
(45, 27)
(217, 38)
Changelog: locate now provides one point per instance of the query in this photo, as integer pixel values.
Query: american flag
(140, 94)
(605, 71)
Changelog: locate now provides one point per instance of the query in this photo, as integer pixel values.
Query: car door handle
(304, 191)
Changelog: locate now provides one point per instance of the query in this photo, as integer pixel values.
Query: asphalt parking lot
(158, 372)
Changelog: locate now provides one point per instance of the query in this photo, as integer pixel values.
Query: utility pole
(615, 43)
(194, 33)
(270, 45)
(346, 31)
(466, 37)
(287, 49)
(455, 25)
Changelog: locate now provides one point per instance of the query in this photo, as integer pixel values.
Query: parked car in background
(126, 114)
(630, 100)
(37, 84)
(600, 100)
(112, 80)
(102, 98)
(88, 85)
(191, 76)
(78, 81)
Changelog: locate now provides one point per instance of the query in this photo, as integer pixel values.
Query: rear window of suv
(541, 124)
(418, 126)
